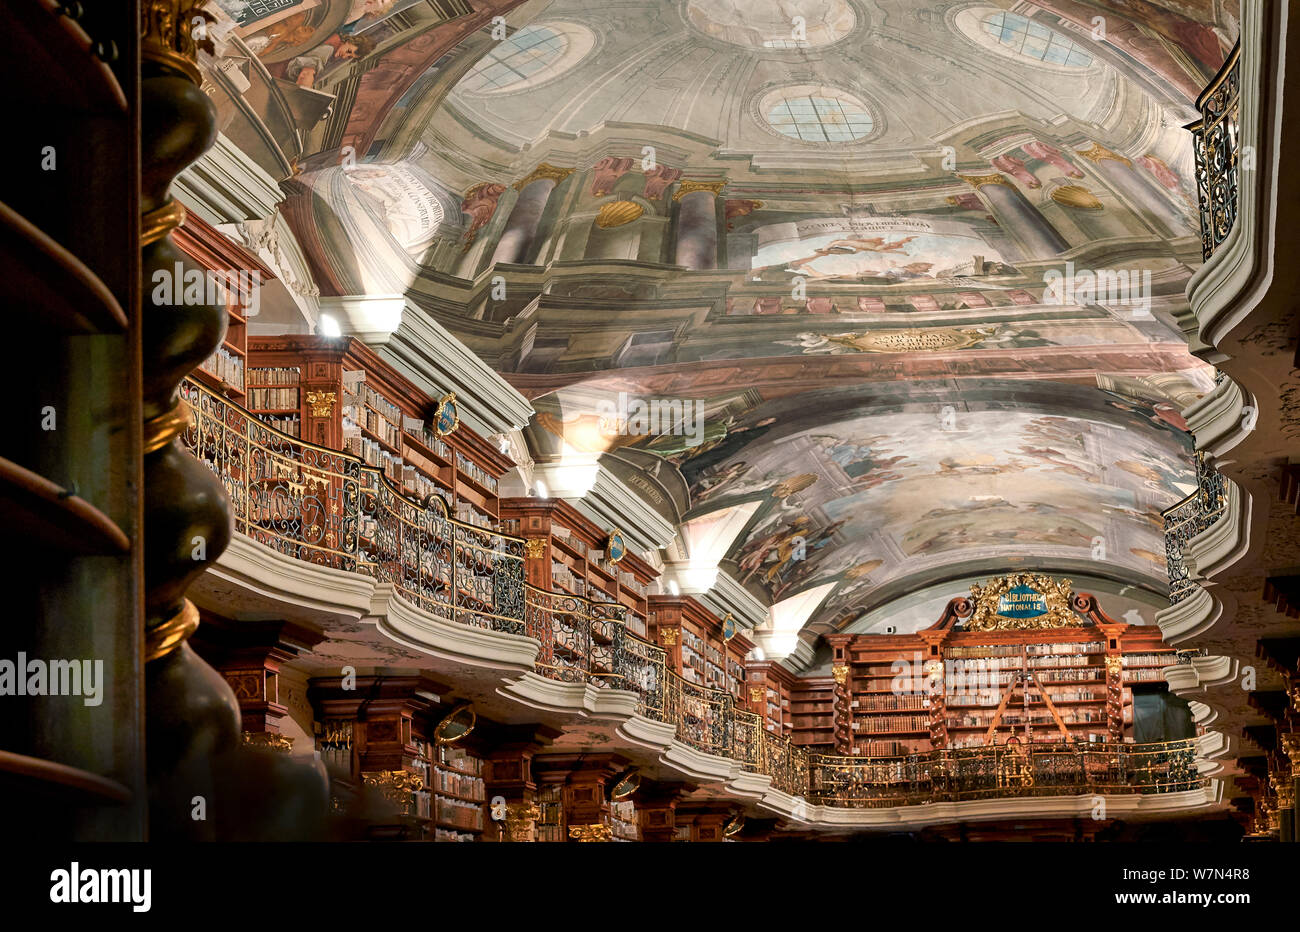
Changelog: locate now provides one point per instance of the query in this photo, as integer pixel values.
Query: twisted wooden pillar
(192, 716)
(843, 713)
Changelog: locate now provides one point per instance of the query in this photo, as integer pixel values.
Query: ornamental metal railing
(1186, 520)
(1005, 770)
(331, 509)
(1216, 144)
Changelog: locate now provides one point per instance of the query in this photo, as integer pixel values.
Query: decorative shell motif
(1076, 196)
(617, 213)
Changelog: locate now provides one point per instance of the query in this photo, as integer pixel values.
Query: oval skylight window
(818, 116)
(1023, 36)
(532, 55)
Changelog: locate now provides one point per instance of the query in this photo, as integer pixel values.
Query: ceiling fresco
(817, 236)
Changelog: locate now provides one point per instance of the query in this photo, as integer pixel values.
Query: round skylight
(817, 115)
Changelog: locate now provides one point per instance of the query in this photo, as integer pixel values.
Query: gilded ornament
(668, 636)
(166, 427)
(543, 172)
(269, 739)
(396, 786)
(535, 547)
(321, 403)
(841, 674)
(1049, 598)
(755, 694)
(936, 340)
(161, 640)
(1099, 153)
(173, 31)
(1076, 196)
(597, 832)
(1114, 665)
(617, 213)
(690, 187)
(978, 181)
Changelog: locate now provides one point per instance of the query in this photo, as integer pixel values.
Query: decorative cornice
(691, 187)
(543, 172)
(422, 350)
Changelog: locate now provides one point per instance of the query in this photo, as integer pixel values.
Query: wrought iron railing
(1187, 519)
(331, 509)
(1215, 141)
(1002, 771)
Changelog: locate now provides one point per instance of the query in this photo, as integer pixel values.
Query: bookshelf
(337, 393)
(948, 687)
(550, 821)
(230, 274)
(769, 693)
(692, 637)
(574, 560)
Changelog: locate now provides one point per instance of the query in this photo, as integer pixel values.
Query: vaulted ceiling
(890, 387)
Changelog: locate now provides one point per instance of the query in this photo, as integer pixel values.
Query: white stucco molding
(1233, 281)
(422, 350)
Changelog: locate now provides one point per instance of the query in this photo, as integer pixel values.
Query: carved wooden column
(192, 717)
(249, 655)
(656, 805)
(509, 776)
(705, 821)
(586, 807)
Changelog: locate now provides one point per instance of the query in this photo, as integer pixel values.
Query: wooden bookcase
(812, 712)
(311, 383)
(573, 558)
(945, 687)
(692, 637)
(769, 693)
(226, 370)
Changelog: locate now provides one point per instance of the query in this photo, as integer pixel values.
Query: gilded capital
(841, 673)
(1099, 153)
(321, 403)
(756, 694)
(690, 187)
(1114, 665)
(668, 636)
(535, 547)
(173, 31)
(543, 172)
(597, 832)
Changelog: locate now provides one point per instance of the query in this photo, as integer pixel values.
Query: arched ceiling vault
(845, 245)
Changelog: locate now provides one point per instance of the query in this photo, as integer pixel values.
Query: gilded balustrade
(330, 509)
